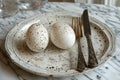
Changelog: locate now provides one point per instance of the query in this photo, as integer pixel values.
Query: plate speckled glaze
(54, 61)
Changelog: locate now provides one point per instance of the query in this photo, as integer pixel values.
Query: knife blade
(86, 23)
(92, 60)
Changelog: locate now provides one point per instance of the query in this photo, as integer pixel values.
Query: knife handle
(92, 60)
(81, 64)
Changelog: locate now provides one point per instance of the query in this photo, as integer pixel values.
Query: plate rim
(58, 75)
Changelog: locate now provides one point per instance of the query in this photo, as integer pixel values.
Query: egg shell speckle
(37, 37)
(62, 35)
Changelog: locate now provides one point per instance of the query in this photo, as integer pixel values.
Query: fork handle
(81, 64)
(92, 60)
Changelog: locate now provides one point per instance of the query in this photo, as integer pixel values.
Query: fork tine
(76, 27)
(80, 25)
(73, 24)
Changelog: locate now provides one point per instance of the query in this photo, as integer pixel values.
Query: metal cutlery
(92, 60)
(76, 25)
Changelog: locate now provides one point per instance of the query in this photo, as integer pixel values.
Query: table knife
(92, 60)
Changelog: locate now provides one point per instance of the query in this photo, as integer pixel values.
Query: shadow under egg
(22, 47)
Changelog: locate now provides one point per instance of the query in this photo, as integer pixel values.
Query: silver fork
(77, 27)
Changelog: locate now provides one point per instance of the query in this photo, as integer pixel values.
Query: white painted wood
(81, 1)
(114, 2)
(90, 1)
(105, 2)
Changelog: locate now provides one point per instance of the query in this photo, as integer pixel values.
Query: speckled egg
(37, 37)
(62, 35)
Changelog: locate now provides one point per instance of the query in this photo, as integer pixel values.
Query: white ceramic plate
(54, 61)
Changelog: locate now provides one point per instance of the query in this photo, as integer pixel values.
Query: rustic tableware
(54, 61)
(77, 27)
